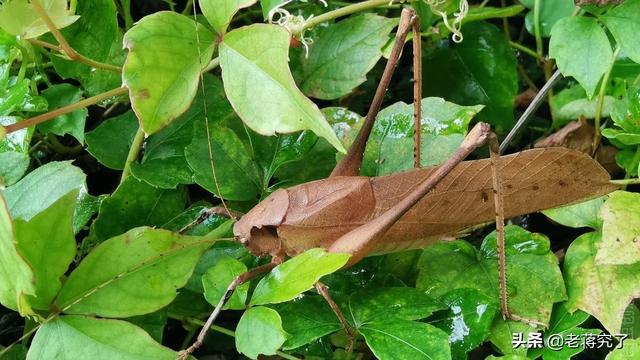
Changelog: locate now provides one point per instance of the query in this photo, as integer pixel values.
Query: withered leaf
(320, 212)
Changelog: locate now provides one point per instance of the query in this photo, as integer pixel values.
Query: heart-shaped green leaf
(132, 274)
(259, 332)
(163, 66)
(297, 275)
(259, 84)
(91, 338)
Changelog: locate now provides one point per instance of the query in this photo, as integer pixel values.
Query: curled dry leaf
(578, 135)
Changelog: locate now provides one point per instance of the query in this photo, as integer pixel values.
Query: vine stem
(65, 110)
(600, 103)
(134, 151)
(64, 45)
(536, 27)
(626, 182)
(223, 330)
(526, 50)
(347, 10)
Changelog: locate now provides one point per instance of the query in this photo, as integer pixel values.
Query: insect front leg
(237, 281)
(323, 290)
(351, 162)
(494, 151)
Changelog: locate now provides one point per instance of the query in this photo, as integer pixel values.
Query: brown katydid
(348, 213)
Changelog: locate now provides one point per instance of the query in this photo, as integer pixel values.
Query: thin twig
(134, 151)
(344, 11)
(65, 110)
(224, 331)
(45, 44)
(526, 50)
(600, 104)
(239, 280)
(68, 50)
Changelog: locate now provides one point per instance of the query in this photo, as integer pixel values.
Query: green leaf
(631, 350)
(42, 187)
(369, 305)
(217, 279)
(132, 274)
(163, 66)
(101, 81)
(622, 22)
(238, 177)
(72, 123)
(219, 13)
(110, 141)
(13, 165)
(550, 13)
(480, 70)
(306, 320)
(534, 278)
(603, 291)
(621, 136)
(92, 35)
(17, 141)
(582, 50)
(135, 203)
(81, 337)
(468, 319)
(268, 5)
(562, 319)
(16, 276)
(567, 352)
(259, 332)
(19, 18)
(584, 107)
(221, 249)
(584, 214)
(164, 163)
(631, 321)
(86, 207)
(342, 54)
(48, 245)
(626, 111)
(152, 323)
(18, 97)
(297, 275)
(390, 146)
(403, 339)
(322, 155)
(620, 230)
(259, 84)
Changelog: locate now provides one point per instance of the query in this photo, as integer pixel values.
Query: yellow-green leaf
(162, 68)
(259, 84)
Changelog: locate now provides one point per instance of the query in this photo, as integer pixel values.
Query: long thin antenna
(531, 109)
(206, 114)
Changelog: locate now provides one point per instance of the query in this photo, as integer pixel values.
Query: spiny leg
(237, 281)
(498, 197)
(350, 164)
(351, 332)
(417, 93)
(359, 241)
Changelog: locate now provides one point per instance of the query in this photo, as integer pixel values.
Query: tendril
(293, 23)
(456, 24)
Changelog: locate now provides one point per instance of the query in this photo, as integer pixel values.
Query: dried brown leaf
(320, 212)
